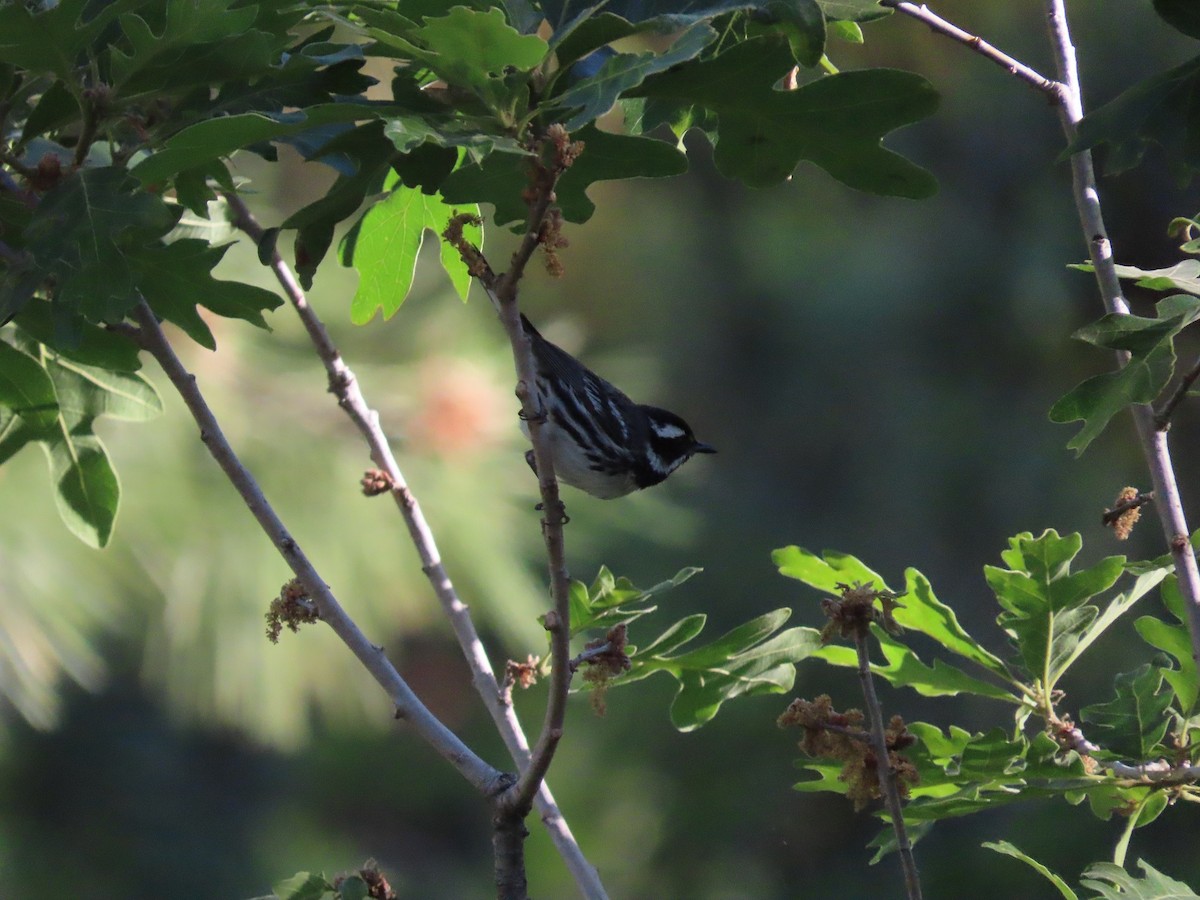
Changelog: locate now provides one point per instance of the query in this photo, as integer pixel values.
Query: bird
(601, 441)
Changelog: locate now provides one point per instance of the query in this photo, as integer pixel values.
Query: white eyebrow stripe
(667, 431)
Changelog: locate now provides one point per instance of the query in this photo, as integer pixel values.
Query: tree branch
(1087, 202)
(887, 783)
(484, 777)
(1014, 67)
(558, 620)
(555, 153)
(345, 387)
(1162, 417)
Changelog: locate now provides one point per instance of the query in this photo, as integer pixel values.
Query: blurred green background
(876, 374)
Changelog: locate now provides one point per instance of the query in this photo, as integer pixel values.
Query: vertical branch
(555, 153)
(887, 783)
(1067, 95)
(1155, 448)
(345, 387)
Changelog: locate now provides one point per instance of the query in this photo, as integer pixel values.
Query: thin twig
(1111, 515)
(1014, 67)
(1159, 772)
(1162, 417)
(344, 385)
(1087, 202)
(488, 780)
(589, 654)
(855, 734)
(887, 783)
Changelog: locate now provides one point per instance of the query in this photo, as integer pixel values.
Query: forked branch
(345, 387)
(488, 780)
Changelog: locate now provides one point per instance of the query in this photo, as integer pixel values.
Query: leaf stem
(1122, 847)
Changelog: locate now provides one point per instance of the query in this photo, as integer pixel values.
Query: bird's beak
(701, 447)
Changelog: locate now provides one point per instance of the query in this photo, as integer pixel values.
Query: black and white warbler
(602, 442)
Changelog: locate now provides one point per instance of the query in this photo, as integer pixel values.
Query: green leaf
(56, 108)
(962, 773)
(611, 601)
(745, 661)
(472, 46)
(82, 236)
(853, 10)
(1176, 641)
(825, 572)
(565, 15)
(469, 49)
(53, 37)
(303, 886)
(836, 122)
(1158, 110)
(803, 23)
(849, 32)
(198, 44)
(591, 31)
(85, 485)
(26, 388)
(500, 179)
(409, 133)
(828, 778)
(922, 611)
(385, 248)
(200, 144)
(767, 669)
(1010, 850)
(373, 155)
(1119, 605)
(97, 346)
(1114, 883)
(176, 278)
(905, 669)
(1152, 362)
(1043, 600)
(592, 97)
(1133, 723)
(675, 636)
(1183, 276)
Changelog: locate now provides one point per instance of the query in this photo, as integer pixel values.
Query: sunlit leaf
(1043, 600)
(386, 243)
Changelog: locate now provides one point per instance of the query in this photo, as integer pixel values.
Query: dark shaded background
(876, 374)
